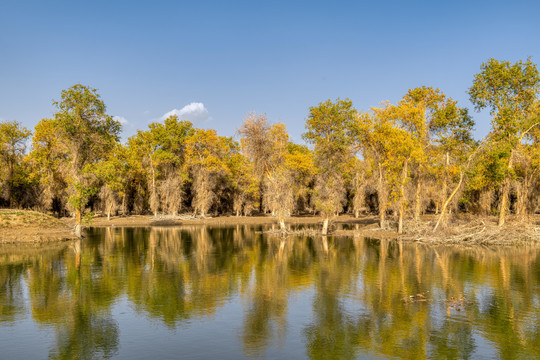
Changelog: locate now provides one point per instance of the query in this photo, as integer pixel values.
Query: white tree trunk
(325, 226)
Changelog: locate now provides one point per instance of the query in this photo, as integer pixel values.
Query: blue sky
(215, 61)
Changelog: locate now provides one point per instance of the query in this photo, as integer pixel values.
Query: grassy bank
(24, 226)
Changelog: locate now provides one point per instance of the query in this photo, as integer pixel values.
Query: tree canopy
(397, 160)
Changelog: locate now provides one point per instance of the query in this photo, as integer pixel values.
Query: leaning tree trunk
(124, 204)
(442, 215)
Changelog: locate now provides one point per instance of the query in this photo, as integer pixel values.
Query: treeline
(400, 160)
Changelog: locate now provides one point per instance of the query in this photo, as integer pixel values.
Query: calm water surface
(226, 293)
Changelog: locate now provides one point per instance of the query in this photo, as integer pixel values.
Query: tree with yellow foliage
(13, 137)
(329, 130)
(80, 135)
(206, 159)
(510, 91)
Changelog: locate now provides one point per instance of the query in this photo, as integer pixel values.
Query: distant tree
(440, 129)
(113, 172)
(244, 184)
(328, 128)
(13, 138)
(397, 150)
(257, 147)
(510, 91)
(89, 134)
(206, 156)
(267, 146)
(300, 162)
(279, 180)
(49, 160)
(159, 153)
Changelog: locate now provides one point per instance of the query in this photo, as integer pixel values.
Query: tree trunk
(10, 185)
(402, 198)
(282, 224)
(154, 199)
(78, 231)
(445, 205)
(443, 193)
(520, 195)
(109, 215)
(417, 200)
(325, 226)
(382, 199)
(400, 221)
(505, 192)
(78, 216)
(486, 200)
(504, 202)
(523, 196)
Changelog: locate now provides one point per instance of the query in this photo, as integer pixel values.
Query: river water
(198, 292)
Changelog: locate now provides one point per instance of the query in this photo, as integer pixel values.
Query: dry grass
(467, 230)
(31, 226)
(23, 218)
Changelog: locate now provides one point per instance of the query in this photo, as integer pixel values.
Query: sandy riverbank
(24, 226)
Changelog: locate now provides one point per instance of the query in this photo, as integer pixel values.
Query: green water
(227, 293)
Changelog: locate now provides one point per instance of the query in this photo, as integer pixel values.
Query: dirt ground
(18, 226)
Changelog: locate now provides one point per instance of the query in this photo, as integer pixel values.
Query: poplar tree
(256, 146)
(510, 92)
(329, 130)
(206, 158)
(48, 159)
(89, 134)
(278, 182)
(13, 137)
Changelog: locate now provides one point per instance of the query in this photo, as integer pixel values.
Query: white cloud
(194, 112)
(122, 120)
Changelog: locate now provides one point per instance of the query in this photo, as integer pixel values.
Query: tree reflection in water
(367, 297)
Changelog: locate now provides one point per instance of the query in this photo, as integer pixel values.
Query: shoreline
(24, 226)
(468, 231)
